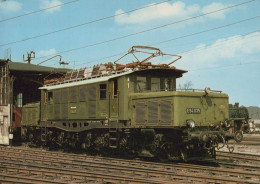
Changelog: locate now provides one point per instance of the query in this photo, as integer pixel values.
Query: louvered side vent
(64, 114)
(166, 112)
(153, 112)
(57, 97)
(82, 93)
(92, 109)
(73, 95)
(64, 97)
(92, 92)
(57, 111)
(140, 112)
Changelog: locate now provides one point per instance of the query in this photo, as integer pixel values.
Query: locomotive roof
(78, 82)
(104, 72)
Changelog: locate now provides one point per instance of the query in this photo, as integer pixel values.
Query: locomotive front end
(204, 118)
(184, 124)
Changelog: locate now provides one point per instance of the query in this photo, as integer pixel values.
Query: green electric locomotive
(131, 109)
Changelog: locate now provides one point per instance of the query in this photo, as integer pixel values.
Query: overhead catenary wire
(198, 49)
(180, 37)
(233, 39)
(37, 11)
(82, 24)
(147, 30)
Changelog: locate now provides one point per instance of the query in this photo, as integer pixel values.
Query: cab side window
(50, 97)
(103, 91)
(155, 84)
(140, 84)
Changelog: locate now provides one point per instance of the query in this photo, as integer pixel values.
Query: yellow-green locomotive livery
(133, 109)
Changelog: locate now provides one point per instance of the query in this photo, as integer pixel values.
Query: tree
(186, 85)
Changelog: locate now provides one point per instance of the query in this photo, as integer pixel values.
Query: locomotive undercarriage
(164, 143)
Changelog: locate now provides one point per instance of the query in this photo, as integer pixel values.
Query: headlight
(190, 123)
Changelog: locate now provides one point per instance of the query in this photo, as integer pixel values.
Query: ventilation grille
(57, 111)
(65, 94)
(92, 109)
(73, 95)
(140, 112)
(166, 112)
(92, 92)
(34, 114)
(82, 93)
(153, 112)
(64, 113)
(57, 98)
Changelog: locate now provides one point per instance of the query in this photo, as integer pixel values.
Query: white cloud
(43, 53)
(50, 3)
(222, 52)
(10, 6)
(176, 11)
(213, 7)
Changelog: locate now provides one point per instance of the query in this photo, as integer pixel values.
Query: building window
(140, 84)
(20, 100)
(50, 97)
(103, 91)
(115, 88)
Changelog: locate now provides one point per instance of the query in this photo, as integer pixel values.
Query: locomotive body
(134, 110)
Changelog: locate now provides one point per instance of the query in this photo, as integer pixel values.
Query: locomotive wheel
(183, 155)
(238, 136)
(213, 153)
(163, 156)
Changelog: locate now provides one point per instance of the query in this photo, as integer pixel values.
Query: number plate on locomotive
(193, 110)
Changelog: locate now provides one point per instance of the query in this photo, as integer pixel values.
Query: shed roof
(16, 66)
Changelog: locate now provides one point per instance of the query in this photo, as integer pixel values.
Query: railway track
(240, 158)
(40, 165)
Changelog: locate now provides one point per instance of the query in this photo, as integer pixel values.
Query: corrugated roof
(16, 66)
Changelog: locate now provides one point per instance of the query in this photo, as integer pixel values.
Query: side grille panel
(92, 109)
(92, 92)
(82, 93)
(64, 111)
(57, 98)
(153, 112)
(166, 112)
(73, 95)
(140, 112)
(57, 111)
(65, 94)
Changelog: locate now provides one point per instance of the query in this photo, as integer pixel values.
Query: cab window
(50, 97)
(155, 84)
(140, 84)
(103, 91)
(115, 88)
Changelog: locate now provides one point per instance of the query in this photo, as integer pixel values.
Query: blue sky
(220, 50)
